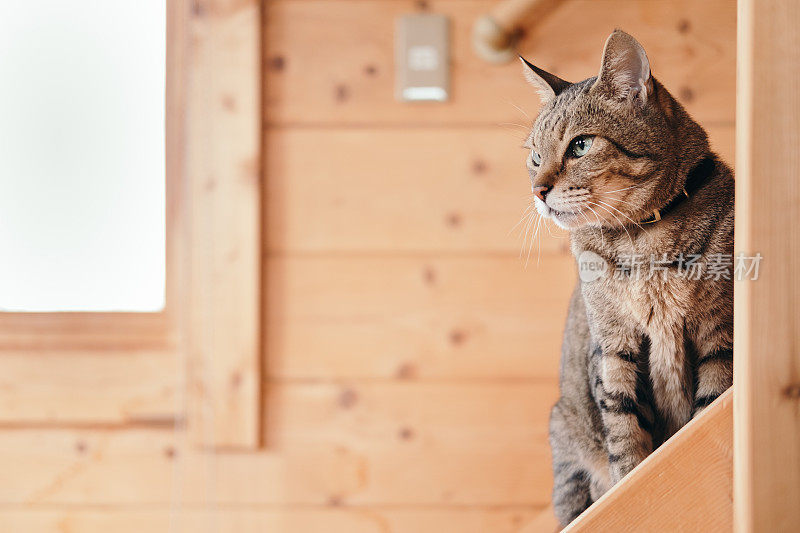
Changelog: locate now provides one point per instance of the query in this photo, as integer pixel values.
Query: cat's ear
(547, 85)
(625, 70)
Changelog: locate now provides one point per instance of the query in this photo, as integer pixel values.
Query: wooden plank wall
(410, 358)
(394, 287)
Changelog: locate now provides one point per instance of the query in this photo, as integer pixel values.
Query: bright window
(82, 168)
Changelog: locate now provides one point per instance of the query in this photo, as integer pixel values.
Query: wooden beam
(767, 311)
(685, 485)
(224, 192)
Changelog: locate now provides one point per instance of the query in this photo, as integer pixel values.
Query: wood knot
(686, 94)
(422, 5)
(479, 167)
(341, 93)
(80, 447)
(407, 371)
(228, 103)
(457, 337)
(429, 276)
(335, 500)
(198, 8)
(792, 391)
(684, 26)
(169, 452)
(348, 398)
(453, 220)
(370, 70)
(405, 433)
(277, 63)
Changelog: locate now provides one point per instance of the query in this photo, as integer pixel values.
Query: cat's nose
(540, 191)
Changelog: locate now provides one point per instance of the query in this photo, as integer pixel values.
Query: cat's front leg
(714, 365)
(626, 419)
(669, 373)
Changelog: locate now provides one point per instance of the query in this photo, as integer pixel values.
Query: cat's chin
(566, 220)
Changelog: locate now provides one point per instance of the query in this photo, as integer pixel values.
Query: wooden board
(350, 445)
(280, 520)
(767, 321)
(405, 190)
(63, 388)
(686, 485)
(331, 62)
(417, 416)
(376, 316)
(224, 194)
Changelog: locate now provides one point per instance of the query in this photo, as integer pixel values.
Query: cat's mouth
(565, 219)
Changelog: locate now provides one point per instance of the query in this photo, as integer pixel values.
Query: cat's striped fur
(641, 354)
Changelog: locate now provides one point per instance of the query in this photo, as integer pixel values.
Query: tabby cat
(617, 161)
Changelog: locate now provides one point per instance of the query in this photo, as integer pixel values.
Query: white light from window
(82, 177)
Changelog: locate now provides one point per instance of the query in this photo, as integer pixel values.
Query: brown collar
(694, 180)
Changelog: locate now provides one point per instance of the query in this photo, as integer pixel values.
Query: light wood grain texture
(85, 387)
(767, 327)
(355, 444)
(279, 520)
(685, 485)
(224, 193)
(411, 416)
(410, 357)
(406, 190)
(475, 317)
(545, 522)
(318, 72)
(350, 443)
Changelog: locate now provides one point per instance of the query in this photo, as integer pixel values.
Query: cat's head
(609, 150)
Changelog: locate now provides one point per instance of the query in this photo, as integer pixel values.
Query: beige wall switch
(422, 58)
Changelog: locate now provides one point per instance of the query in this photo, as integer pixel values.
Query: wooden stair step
(685, 485)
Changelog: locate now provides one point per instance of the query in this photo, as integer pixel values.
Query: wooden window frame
(32, 332)
(199, 359)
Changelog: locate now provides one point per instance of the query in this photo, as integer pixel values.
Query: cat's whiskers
(620, 190)
(529, 245)
(533, 237)
(615, 199)
(524, 217)
(618, 220)
(526, 128)
(623, 214)
(528, 224)
(539, 251)
(547, 225)
(519, 109)
(599, 223)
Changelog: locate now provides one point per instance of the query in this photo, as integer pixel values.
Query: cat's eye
(580, 146)
(536, 158)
